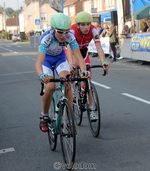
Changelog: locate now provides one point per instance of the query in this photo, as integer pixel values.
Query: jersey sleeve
(42, 48)
(44, 42)
(95, 35)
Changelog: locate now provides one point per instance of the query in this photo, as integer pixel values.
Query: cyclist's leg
(63, 69)
(46, 98)
(93, 115)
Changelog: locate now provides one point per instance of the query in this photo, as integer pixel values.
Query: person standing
(112, 40)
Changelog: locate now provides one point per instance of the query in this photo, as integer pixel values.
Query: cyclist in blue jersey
(51, 52)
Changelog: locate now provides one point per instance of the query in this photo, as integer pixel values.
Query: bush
(22, 35)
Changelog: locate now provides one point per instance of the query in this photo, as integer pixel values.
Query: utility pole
(120, 16)
(4, 21)
(18, 28)
(132, 13)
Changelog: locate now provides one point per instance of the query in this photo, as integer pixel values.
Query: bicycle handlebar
(62, 80)
(94, 66)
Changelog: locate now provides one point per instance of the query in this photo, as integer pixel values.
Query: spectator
(112, 40)
(99, 28)
(145, 29)
(105, 30)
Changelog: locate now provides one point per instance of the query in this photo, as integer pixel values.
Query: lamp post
(18, 28)
(4, 23)
(132, 13)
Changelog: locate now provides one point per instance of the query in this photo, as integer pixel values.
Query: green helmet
(83, 17)
(60, 21)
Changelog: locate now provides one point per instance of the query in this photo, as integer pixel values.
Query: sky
(14, 4)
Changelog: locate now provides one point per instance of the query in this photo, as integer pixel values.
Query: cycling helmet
(60, 21)
(83, 17)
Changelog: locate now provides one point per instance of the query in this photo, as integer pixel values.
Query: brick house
(95, 7)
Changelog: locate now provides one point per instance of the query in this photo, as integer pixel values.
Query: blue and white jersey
(49, 45)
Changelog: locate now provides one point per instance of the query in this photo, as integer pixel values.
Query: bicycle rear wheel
(96, 124)
(52, 136)
(77, 106)
(67, 134)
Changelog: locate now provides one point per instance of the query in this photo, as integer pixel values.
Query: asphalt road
(124, 94)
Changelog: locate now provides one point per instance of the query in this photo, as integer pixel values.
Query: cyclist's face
(61, 35)
(84, 27)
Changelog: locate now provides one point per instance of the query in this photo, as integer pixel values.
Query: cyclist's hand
(73, 69)
(44, 78)
(106, 66)
(85, 74)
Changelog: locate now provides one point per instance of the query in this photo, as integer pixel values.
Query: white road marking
(101, 85)
(6, 150)
(17, 73)
(136, 98)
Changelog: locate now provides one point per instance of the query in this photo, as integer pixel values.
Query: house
(95, 7)
(2, 21)
(12, 25)
(35, 16)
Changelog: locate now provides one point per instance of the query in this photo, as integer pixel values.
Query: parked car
(15, 37)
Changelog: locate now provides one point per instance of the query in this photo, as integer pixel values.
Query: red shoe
(44, 123)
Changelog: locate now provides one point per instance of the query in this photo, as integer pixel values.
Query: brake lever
(42, 88)
(105, 72)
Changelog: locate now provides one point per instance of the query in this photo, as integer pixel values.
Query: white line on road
(6, 150)
(17, 73)
(136, 98)
(101, 85)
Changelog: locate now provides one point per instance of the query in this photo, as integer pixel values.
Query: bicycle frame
(57, 104)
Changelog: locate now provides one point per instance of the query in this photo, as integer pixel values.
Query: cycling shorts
(60, 64)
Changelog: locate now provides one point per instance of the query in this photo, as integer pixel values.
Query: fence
(35, 40)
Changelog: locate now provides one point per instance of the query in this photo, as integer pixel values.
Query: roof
(12, 22)
(69, 2)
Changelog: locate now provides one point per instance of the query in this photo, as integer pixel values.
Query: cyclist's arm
(77, 54)
(40, 59)
(80, 59)
(70, 55)
(100, 51)
(39, 62)
(101, 55)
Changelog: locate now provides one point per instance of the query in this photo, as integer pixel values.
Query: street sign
(37, 21)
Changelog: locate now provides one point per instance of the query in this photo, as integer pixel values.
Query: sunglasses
(61, 32)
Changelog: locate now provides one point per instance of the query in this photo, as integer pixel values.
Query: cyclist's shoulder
(46, 37)
(70, 37)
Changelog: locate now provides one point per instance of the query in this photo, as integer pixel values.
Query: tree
(9, 11)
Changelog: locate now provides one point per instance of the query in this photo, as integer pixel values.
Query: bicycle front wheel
(77, 105)
(95, 124)
(67, 134)
(52, 136)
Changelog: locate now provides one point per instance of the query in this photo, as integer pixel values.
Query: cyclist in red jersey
(84, 32)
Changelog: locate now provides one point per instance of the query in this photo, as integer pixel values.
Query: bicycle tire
(52, 136)
(67, 134)
(77, 108)
(96, 125)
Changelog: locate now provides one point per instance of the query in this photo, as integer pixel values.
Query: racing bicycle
(81, 101)
(61, 121)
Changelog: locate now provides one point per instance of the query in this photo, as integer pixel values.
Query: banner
(104, 44)
(140, 42)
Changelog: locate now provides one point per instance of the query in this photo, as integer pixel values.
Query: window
(72, 11)
(87, 6)
(43, 16)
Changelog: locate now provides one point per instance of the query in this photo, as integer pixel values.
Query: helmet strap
(81, 32)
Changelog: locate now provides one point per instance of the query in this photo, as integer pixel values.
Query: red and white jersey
(84, 40)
